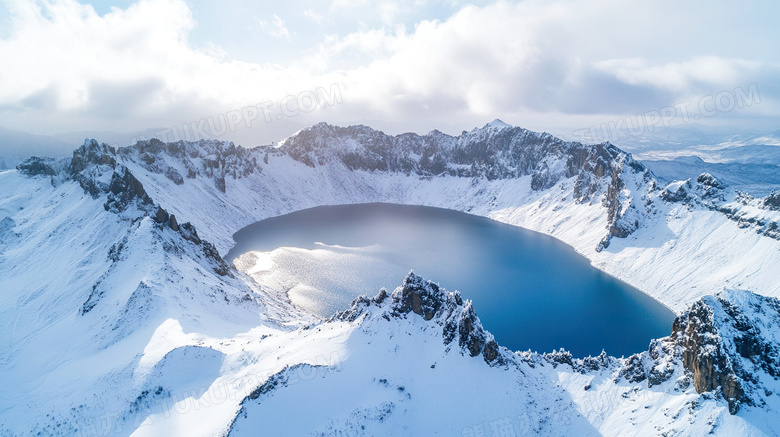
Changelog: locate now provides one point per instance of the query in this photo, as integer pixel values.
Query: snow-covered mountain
(118, 315)
(751, 165)
(596, 198)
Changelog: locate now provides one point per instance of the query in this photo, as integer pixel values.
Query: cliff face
(490, 152)
(704, 356)
(727, 345)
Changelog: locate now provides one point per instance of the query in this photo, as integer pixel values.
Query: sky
(256, 71)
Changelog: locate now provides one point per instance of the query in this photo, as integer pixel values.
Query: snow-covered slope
(435, 344)
(97, 281)
(117, 319)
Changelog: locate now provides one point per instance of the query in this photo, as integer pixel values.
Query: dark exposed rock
(96, 294)
(220, 266)
(595, 363)
(720, 347)
(219, 182)
(633, 371)
(772, 201)
(380, 297)
(558, 357)
(123, 190)
(36, 166)
(420, 297)
(491, 352)
(161, 216)
(92, 153)
(174, 175)
(172, 223)
(620, 223)
(470, 338)
(189, 233)
(709, 181)
(679, 193)
(703, 355)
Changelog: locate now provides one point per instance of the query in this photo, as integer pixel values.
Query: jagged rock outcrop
(703, 354)
(493, 153)
(426, 299)
(710, 182)
(212, 159)
(707, 191)
(36, 166)
(677, 192)
(722, 345)
(124, 190)
(772, 201)
(754, 213)
(622, 217)
(710, 193)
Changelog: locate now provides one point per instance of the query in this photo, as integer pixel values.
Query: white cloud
(313, 16)
(136, 67)
(681, 76)
(279, 30)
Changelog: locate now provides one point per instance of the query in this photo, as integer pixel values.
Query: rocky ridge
(96, 169)
(726, 346)
(601, 172)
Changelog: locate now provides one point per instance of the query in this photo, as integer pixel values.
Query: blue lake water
(530, 290)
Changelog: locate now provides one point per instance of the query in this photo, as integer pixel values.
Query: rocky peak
(707, 190)
(416, 295)
(703, 354)
(497, 124)
(709, 181)
(726, 344)
(92, 153)
(35, 166)
(678, 191)
(421, 297)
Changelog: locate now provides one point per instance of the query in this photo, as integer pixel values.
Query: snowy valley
(118, 315)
